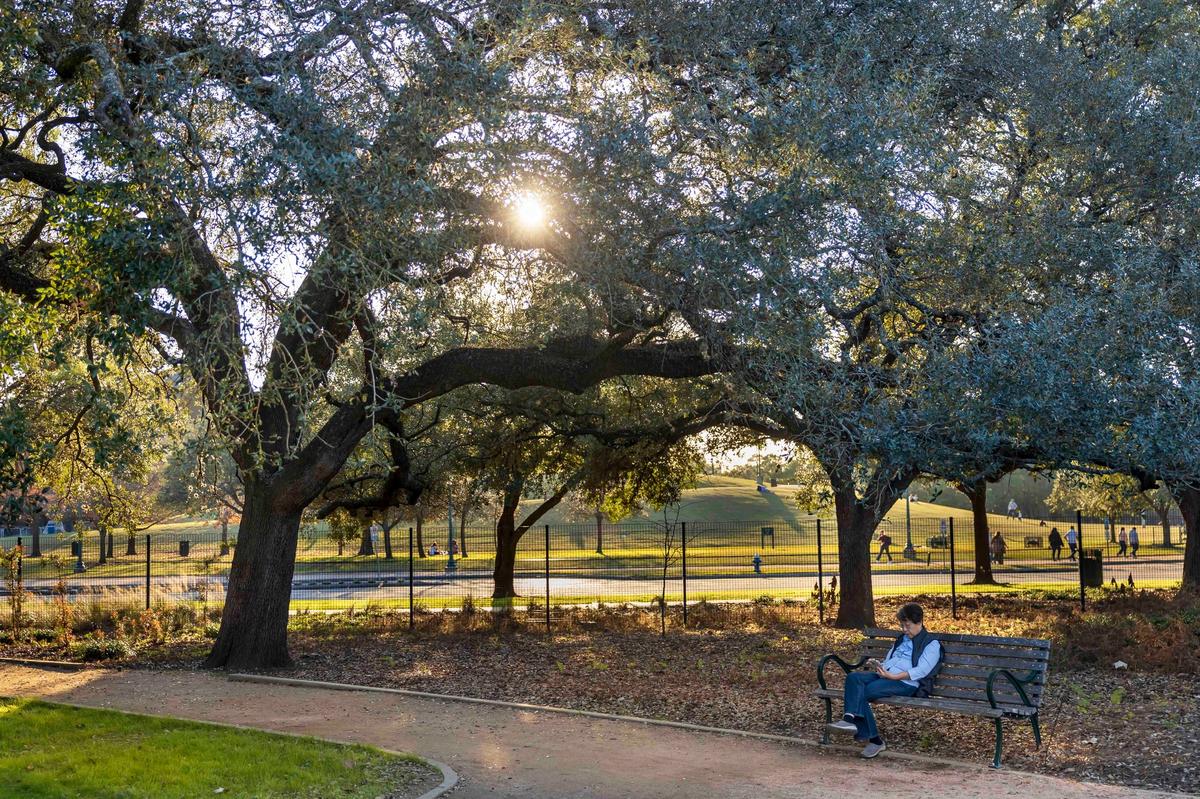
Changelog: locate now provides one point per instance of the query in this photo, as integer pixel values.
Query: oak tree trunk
(507, 538)
(131, 545)
(253, 630)
(224, 537)
(855, 529)
(35, 549)
(977, 493)
(111, 539)
(103, 542)
(387, 542)
(599, 533)
(1189, 506)
(420, 538)
(367, 547)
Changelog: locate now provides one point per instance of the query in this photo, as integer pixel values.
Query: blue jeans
(864, 686)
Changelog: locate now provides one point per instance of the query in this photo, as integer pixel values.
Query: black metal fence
(646, 563)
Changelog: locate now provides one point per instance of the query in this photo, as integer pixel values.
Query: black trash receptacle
(185, 547)
(1091, 566)
(76, 548)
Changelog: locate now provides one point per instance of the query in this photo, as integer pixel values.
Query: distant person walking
(1072, 542)
(1014, 512)
(885, 547)
(999, 547)
(1122, 542)
(1133, 541)
(1056, 543)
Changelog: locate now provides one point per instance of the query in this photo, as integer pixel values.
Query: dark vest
(922, 640)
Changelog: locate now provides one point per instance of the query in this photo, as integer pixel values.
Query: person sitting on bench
(908, 670)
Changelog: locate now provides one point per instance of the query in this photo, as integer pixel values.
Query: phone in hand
(874, 664)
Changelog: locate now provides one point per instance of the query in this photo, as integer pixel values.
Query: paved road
(504, 752)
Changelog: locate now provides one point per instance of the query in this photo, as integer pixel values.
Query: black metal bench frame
(1015, 697)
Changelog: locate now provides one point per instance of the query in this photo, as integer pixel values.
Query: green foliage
(96, 647)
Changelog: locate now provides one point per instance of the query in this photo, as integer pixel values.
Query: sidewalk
(504, 752)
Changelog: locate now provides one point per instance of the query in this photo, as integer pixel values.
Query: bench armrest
(846, 667)
(1017, 682)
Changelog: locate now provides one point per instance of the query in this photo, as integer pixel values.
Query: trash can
(76, 548)
(185, 547)
(1091, 568)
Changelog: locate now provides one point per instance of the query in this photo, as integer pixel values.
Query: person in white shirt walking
(1072, 542)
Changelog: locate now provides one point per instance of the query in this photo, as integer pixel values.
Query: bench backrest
(968, 661)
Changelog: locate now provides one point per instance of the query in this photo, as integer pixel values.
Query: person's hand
(882, 672)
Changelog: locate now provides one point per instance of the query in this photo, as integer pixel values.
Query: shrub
(94, 648)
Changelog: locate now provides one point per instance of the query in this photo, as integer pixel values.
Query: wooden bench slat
(996, 651)
(878, 646)
(980, 691)
(1040, 643)
(982, 672)
(1002, 697)
(965, 684)
(952, 706)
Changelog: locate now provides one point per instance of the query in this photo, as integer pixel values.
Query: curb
(65, 665)
(449, 779)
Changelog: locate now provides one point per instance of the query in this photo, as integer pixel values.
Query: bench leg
(999, 744)
(1037, 731)
(828, 721)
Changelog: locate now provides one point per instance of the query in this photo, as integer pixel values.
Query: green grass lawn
(49, 750)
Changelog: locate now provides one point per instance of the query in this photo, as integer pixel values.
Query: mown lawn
(50, 750)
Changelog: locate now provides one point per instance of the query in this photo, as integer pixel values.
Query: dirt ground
(503, 752)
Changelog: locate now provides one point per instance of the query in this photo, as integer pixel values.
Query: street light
(909, 552)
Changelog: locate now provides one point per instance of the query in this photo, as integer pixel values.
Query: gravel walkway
(513, 753)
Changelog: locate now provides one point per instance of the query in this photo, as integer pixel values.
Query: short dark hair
(911, 612)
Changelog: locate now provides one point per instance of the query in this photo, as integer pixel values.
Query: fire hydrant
(757, 561)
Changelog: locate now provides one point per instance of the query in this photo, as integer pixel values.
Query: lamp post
(909, 552)
(451, 565)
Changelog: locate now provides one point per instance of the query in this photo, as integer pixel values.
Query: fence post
(683, 528)
(953, 575)
(820, 578)
(1079, 537)
(147, 571)
(411, 620)
(547, 579)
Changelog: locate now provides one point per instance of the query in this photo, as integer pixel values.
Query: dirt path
(502, 752)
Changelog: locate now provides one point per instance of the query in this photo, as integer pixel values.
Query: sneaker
(873, 749)
(843, 726)
(858, 739)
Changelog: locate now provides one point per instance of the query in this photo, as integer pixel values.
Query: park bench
(981, 675)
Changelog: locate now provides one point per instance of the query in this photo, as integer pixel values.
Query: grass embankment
(50, 750)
